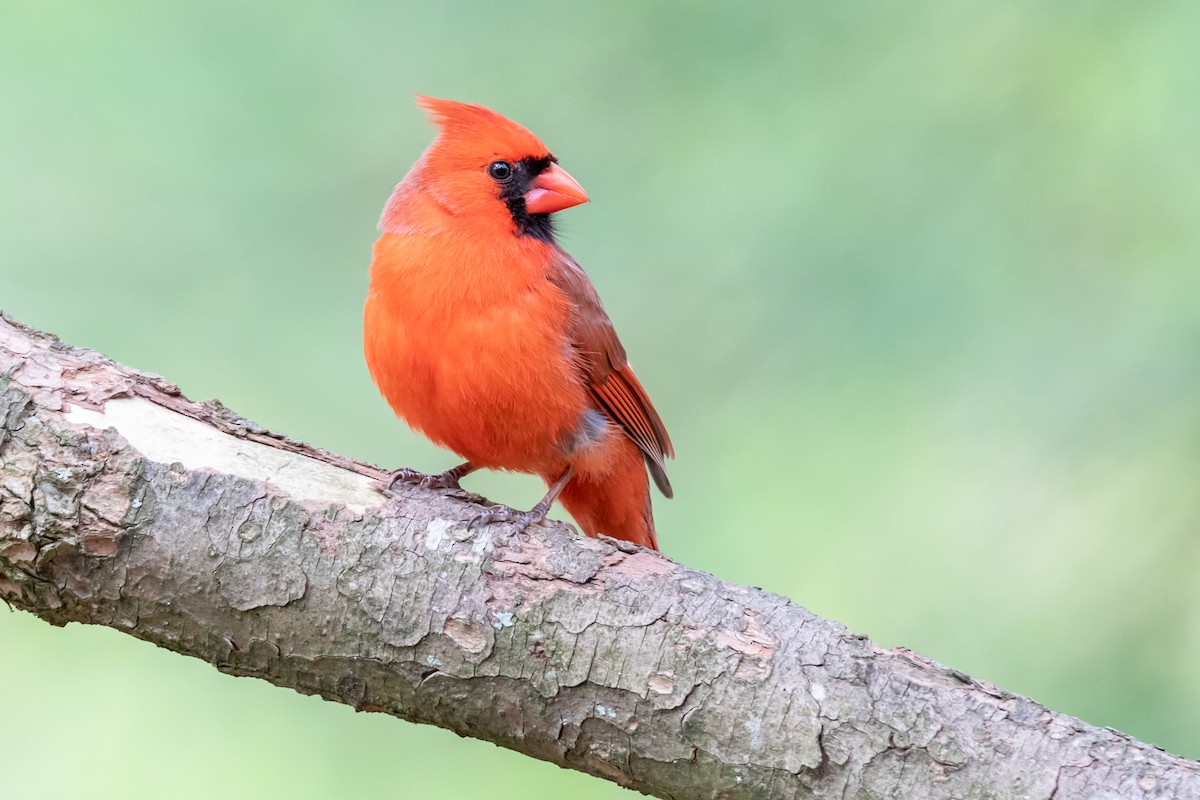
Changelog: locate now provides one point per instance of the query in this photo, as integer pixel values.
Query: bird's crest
(479, 125)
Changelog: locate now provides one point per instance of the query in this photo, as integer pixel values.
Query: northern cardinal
(485, 336)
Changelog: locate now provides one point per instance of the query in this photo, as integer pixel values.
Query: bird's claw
(444, 480)
(502, 513)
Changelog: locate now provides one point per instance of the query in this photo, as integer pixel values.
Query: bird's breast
(470, 345)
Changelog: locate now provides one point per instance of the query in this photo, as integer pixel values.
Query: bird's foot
(502, 513)
(444, 480)
(523, 519)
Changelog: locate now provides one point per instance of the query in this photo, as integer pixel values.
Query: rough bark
(124, 504)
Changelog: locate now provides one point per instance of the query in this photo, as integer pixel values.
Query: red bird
(485, 336)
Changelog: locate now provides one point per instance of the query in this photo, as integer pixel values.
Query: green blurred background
(914, 285)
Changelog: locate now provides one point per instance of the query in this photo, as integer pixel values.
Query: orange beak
(552, 191)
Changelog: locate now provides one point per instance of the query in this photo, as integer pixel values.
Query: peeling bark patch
(19, 552)
(645, 564)
(98, 545)
(465, 635)
(660, 684)
(754, 641)
(529, 575)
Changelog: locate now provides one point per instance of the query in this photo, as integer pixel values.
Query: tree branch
(124, 504)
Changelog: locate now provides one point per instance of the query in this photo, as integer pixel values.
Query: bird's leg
(446, 480)
(523, 519)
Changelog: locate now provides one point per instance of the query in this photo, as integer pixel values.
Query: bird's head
(489, 171)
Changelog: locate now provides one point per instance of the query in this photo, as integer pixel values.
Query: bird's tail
(616, 503)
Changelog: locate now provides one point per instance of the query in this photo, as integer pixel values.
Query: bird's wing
(609, 377)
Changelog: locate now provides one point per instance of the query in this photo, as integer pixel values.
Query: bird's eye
(500, 171)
